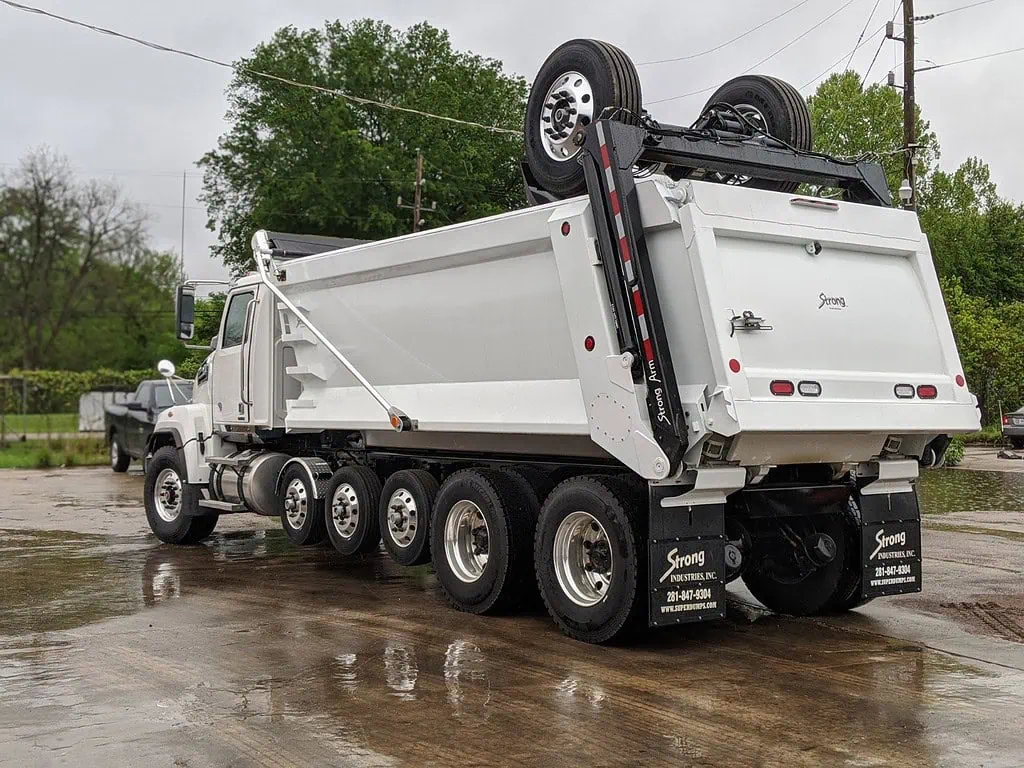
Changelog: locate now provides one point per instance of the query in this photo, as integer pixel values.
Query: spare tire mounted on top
(587, 80)
(582, 81)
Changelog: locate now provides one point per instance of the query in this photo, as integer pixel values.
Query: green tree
(79, 286)
(850, 120)
(975, 235)
(299, 161)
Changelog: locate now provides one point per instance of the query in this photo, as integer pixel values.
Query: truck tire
(353, 497)
(301, 513)
(847, 594)
(119, 458)
(405, 508)
(480, 540)
(171, 503)
(776, 582)
(774, 106)
(591, 559)
(580, 81)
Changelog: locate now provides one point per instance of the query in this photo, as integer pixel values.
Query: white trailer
(625, 399)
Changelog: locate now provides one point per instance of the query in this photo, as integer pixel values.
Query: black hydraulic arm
(608, 158)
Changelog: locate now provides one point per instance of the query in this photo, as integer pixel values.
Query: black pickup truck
(129, 424)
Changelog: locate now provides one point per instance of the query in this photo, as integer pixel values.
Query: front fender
(187, 428)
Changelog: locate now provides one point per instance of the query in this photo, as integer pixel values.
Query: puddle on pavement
(951, 490)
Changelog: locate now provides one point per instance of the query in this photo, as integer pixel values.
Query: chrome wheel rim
(567, 111)
(167, 495)
(403, 518)
(466, 541)
(115, 454)
(296, 504)
(583, 559)
(345, 511)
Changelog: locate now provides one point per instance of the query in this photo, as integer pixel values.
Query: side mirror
(135, 405)
(185, 313)
(166, 368)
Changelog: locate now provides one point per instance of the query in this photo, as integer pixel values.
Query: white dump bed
(502, 328)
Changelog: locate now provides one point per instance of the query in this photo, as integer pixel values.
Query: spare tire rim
(403, 518)
(567, 111)
(466, 541)
(345, 511)
(583, 559)
(167, 495)
(296, 504)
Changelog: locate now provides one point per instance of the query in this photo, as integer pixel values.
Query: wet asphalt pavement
(116, 650)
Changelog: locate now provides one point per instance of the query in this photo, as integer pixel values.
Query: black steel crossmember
(608, 162)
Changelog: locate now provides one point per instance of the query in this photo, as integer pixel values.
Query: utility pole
(184, 177)
(417, 205)
(909, 106)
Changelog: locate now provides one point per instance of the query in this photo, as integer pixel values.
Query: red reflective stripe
(648, 349)
(604, 157)
(638, 302)
(615, 203)
(624, 245)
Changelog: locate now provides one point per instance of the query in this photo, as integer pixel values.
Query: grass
(992, 435)
(42, 454)
(41, 423)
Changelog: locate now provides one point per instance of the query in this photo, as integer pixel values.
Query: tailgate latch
(748, 321)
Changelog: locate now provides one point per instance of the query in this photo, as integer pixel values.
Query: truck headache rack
(612, 150)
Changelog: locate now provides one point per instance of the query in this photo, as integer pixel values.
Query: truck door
(230, 400)
(136, 421)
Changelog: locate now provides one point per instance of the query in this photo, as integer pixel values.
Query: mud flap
(890, 542)
(686, 561)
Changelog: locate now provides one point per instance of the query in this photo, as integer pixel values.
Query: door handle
(249, 311)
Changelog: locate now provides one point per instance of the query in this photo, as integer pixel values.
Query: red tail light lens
(927, 392)
(1006, 421)
(782, 388)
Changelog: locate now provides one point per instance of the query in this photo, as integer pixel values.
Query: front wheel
(171, 503)
(798, 564)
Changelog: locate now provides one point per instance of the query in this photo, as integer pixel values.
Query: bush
(955, 452)
(58, 391)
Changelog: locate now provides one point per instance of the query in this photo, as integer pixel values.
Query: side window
(144, 393)
(234, 323)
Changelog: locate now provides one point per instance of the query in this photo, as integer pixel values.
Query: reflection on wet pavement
(115, 650)
(952, 490)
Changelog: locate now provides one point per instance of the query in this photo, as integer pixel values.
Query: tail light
(905, 391)
(782, 388)
(1006, 421)
(927, 392)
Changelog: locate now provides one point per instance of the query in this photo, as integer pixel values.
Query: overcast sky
(143, 117)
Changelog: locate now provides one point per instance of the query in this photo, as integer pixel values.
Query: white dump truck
(672, 370)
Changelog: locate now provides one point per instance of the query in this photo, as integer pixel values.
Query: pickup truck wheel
(797, 565)
(171, 503)
(591, 560)
(353, 496)
(119, 458)
(301, 512)
(406, 504)
(581, 81)
(480, 540)
(774, 107)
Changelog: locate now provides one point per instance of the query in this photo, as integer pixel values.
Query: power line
(966, 61)
(931, 16)
(257, 73)
(865, 29)
(767, 58)
(727, 43)
(849, 55)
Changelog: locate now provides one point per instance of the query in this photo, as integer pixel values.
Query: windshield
(178, 393)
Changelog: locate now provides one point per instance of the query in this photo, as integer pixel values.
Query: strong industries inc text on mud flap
(686, 561)
(890, 544)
